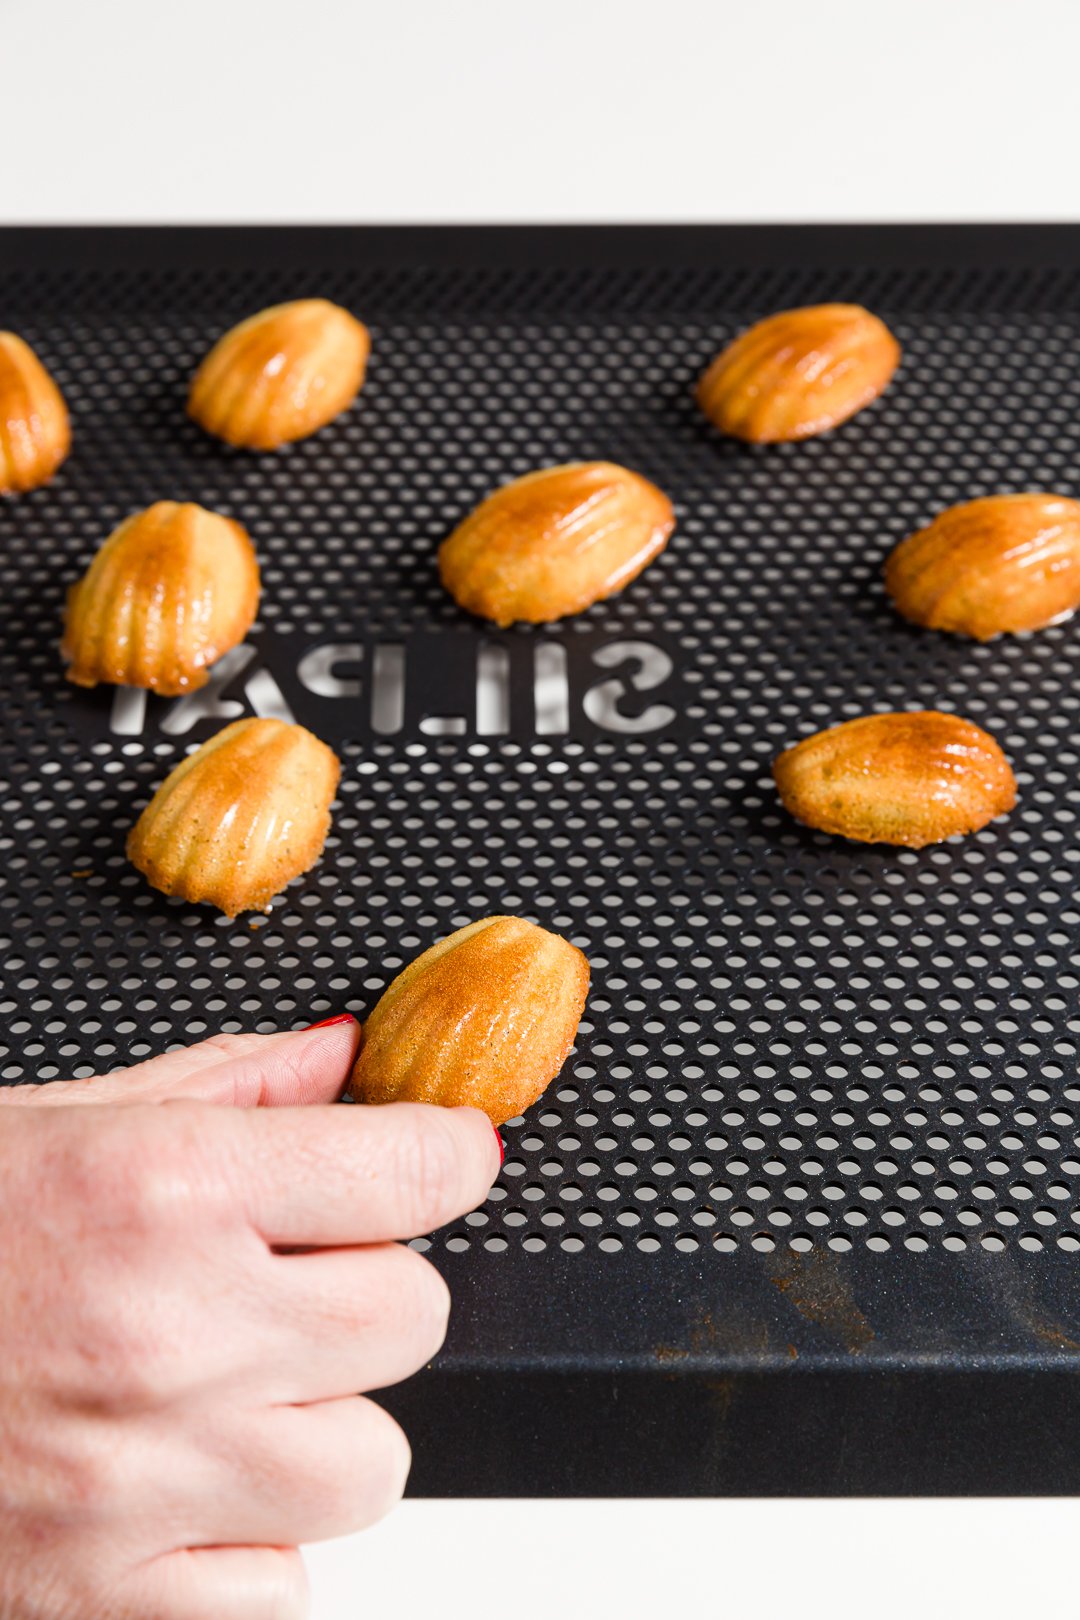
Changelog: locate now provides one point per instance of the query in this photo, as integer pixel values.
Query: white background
(555, 109)
(325, 110)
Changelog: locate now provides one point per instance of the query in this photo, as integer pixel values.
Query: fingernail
(502, 1147)
(325, 1023)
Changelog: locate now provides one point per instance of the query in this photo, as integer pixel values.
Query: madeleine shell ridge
(239, 818)
(552, 543)
(483, 1019)
(281, 375)
(170, 591)
(907, 778)
(990, 567)
(799, 373)
(35, 430)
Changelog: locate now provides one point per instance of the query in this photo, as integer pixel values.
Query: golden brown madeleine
(35, 434)
(999, 564)
(484, 1019)
(170, 591)
(799, 373)
(240, 817)
(554, 542)
(904, 778)
(281, 374)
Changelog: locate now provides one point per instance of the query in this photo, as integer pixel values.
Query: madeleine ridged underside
(799, 373)
(910, 779)
(554, 542)
(484, 1019)
(999, 564)
(170, 591)
(240, 818)
(35, 434)
(281, 374)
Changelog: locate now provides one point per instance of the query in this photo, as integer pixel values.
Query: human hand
(199, 1274)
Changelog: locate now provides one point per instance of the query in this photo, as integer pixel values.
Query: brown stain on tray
(669, 1355)
(1053, 1334)
(1016, 1291)
(727, 1332)
(819, 1291)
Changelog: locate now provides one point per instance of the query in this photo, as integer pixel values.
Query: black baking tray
(801, 1213)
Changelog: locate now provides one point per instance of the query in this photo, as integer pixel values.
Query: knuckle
(146, 1192)
(290, 1064)
(387, 1458)
(115, 1169)
(228, 1044)
(365, 1478)
(161, 1174)
(427, 1302)
(289, 1594)
(120, 1335)
(127, 1298)
(395, 1303)
(435, 1164)
(86, 1480)
(145, 1371)
(334, 1475)
(270, 1582)
(124, 1209)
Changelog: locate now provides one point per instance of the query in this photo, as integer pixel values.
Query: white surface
(560, 109)
(570, 109)
(706, 1561)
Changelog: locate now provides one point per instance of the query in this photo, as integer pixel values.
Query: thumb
(290, 1069)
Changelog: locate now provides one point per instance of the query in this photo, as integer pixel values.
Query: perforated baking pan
(801, 1213)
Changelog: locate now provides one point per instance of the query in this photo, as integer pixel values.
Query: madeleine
(484, 1019)
(910, 779)
(799, 373)
(991, 567)
(554, 542)
(170, 591)
(35, 433)
(281, 374)
(240, 817)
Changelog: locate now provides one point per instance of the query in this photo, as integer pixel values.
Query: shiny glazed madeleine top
(1001, 564)
(907, 778)
(799, 373)
(170, 591)
(281, 374)
(484, 1019)
(240, 817)
(554, 542)
(35, 432)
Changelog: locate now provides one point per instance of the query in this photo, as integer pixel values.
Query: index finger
(344, 1175)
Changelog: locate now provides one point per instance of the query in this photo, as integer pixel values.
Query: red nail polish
(325, 1023)
(502, 1147)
